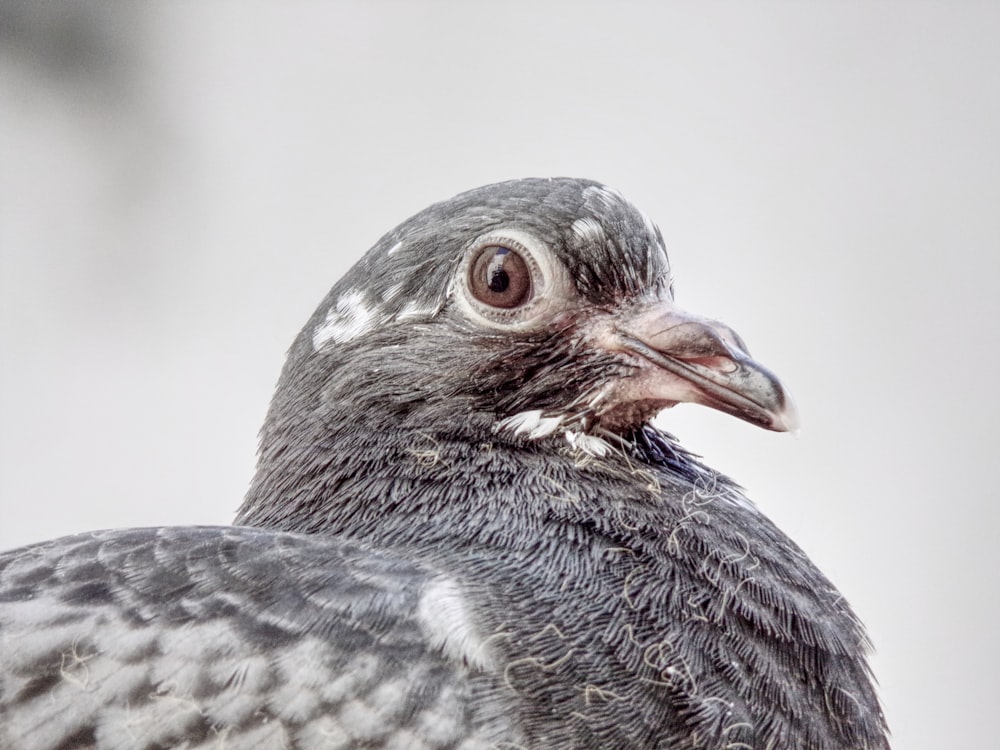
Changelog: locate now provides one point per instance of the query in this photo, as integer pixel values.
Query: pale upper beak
(685, 358)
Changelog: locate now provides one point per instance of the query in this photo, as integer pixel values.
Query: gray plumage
(463, 532)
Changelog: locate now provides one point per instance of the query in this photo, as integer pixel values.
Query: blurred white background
(180, 183)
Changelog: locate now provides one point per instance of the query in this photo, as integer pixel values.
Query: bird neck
(341, 455)
(441, 480)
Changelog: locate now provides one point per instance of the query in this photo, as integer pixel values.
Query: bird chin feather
(534, 425)
(626, 416)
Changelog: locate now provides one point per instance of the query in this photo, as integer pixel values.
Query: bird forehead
(610, 249)
(613, 249)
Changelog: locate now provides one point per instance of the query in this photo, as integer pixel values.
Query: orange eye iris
(500, 277)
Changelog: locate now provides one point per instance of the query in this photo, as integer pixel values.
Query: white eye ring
(548, 281)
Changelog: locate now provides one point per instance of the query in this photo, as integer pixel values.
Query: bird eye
(500, 277)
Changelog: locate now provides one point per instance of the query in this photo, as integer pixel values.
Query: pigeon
(465, 530)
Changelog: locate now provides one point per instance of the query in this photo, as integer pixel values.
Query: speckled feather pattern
(226, 637)
(410, 574)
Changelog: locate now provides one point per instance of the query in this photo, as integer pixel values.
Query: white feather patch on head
(607, 196)
(589, 230)
(349, 318)
(445, 620)
(415, 310)
(650, 226)
(530, 424)
(390, 293)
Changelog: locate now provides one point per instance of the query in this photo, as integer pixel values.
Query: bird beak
(686, 358)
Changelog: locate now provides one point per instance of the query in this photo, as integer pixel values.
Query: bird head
(476, 393)
(538, 306)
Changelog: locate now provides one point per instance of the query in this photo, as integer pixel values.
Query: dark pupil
(498, 278)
